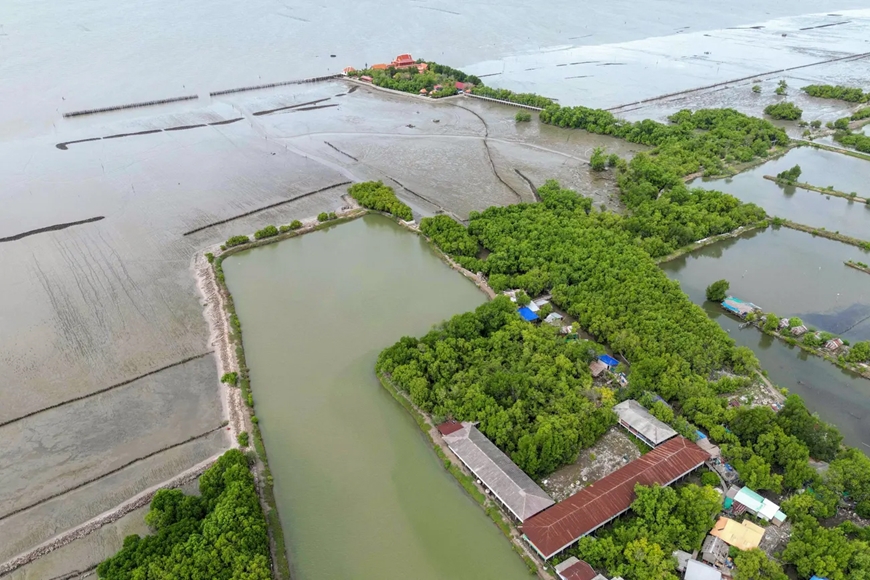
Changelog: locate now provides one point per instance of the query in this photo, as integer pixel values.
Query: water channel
(360, 492)
(793, 274)
(818, 167)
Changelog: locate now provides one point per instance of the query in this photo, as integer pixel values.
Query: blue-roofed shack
(527, 314)
(818, 578)
(739, 307)
(609, 360)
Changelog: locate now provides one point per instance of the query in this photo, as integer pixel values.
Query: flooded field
(820, 168)
(792, 273)
(351, 467)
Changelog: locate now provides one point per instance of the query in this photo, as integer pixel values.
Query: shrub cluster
(849, 94)
(237, 241)
(267, 232)
(784, 111)
(375, 195)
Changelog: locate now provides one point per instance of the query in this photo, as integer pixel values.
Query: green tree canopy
(220, 535)
(718, 291)
(755, 565)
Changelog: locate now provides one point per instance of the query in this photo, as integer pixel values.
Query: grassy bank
(858, 266)
(281, 565)
(864, 245)
(467, 481)
(850, 196)
(711, 240)
(840, 150)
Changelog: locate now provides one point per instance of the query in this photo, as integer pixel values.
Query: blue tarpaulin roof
(527, 314)
(818, 578)
(608, 360)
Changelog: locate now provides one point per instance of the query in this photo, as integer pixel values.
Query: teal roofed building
(739, 307)
(746, 500)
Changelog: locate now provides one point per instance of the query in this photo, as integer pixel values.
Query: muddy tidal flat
(112, 383)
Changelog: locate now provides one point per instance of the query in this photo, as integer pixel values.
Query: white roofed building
(507, 482)
(640, 423)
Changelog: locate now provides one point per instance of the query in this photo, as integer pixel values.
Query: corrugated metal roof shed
(708, 446)
(597, 367)
(448, 427)
(744, 535)
(715, 550)
(574, 569)
(555, 529)
(757, 504)
(752, 500)
(682, 559)
(516, 490)
(698, 571)
(738, 306)
(634, 416)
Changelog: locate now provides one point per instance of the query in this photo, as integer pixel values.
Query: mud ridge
(65, 145)
(186, 127)
(755, 76)
(75, 574)
(106, 389)
(117, 135)
(130, 106)
(53, 228)
(315, 108)
(272, 85)
(531, 185)
(264, 208)
(489, 153)
(826, 25)
(342, 152)
(427, 200)
(105, 518)
(112, 472)
(267, 111)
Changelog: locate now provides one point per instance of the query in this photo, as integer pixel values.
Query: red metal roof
(404, 59)
(580, 570)
(558, 527)
(448, 427)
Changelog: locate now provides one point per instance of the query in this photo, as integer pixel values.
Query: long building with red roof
(554, 529)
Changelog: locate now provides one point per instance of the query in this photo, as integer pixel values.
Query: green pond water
(360, 492)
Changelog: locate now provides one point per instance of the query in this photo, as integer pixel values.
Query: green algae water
(360, 492)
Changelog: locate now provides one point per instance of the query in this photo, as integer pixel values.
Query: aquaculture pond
(793, 274)
(819, 168)
(360, 492)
